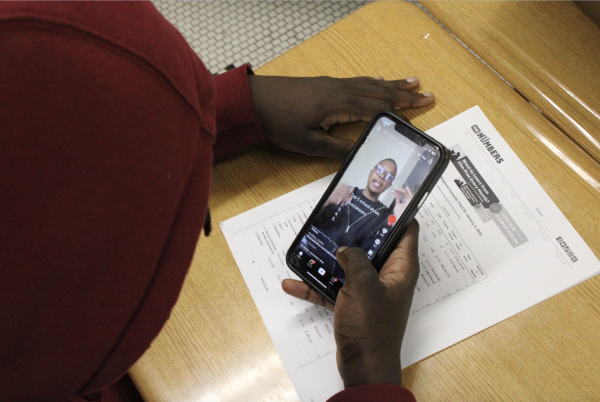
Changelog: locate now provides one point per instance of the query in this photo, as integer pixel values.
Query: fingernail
(412, 80)
(380, 78)
(428, 94)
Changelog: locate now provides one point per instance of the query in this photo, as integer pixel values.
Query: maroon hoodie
(107, 138)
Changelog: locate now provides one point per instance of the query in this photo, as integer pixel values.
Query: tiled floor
(227, 34)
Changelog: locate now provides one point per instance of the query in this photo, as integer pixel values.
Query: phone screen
(377, 186)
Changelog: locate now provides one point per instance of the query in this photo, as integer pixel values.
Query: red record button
(391, 220)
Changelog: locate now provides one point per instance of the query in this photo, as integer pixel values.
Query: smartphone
(371, 201)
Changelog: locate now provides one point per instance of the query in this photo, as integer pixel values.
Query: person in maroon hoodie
(109, 127)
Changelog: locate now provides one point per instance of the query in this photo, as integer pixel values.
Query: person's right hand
(371, 311)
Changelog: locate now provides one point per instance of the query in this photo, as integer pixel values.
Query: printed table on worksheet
(447, 267)
(447, 264)
(311, 326)
(491, 244)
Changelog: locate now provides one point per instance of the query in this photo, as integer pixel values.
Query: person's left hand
(403, 197)
(297, 112)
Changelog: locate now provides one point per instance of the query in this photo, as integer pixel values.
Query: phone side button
(423, 200)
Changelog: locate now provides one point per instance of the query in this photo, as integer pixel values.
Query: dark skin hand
(371, 311)
(297, 112)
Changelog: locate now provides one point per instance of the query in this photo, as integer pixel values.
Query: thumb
(402, 267)
(359, 270)
(319, 143)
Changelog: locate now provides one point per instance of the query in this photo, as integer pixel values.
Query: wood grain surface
(215, 346)
(550, 52)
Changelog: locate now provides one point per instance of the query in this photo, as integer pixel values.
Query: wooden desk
(550, 52)
(215, 346)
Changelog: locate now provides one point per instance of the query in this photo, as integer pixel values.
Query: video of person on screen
(370, 198)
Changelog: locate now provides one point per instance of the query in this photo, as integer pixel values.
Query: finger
(397, 92)
(355, 108)
(402, 191)
(364, 77)
(402, 266)
(409, 192)
(397, 193)
(341, 114)
(407, 84)
(398, 98)
(302, 291)
(359, 270)
(319, 143)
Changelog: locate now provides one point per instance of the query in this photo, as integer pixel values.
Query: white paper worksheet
(492, 244)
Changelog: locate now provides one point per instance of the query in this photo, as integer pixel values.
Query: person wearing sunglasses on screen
(354, 217)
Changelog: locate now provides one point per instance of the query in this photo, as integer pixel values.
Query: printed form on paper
(492, 244)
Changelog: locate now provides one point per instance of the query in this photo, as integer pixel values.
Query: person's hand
(297, 112)
(339, 194)
(371, 311)
(403, 198)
